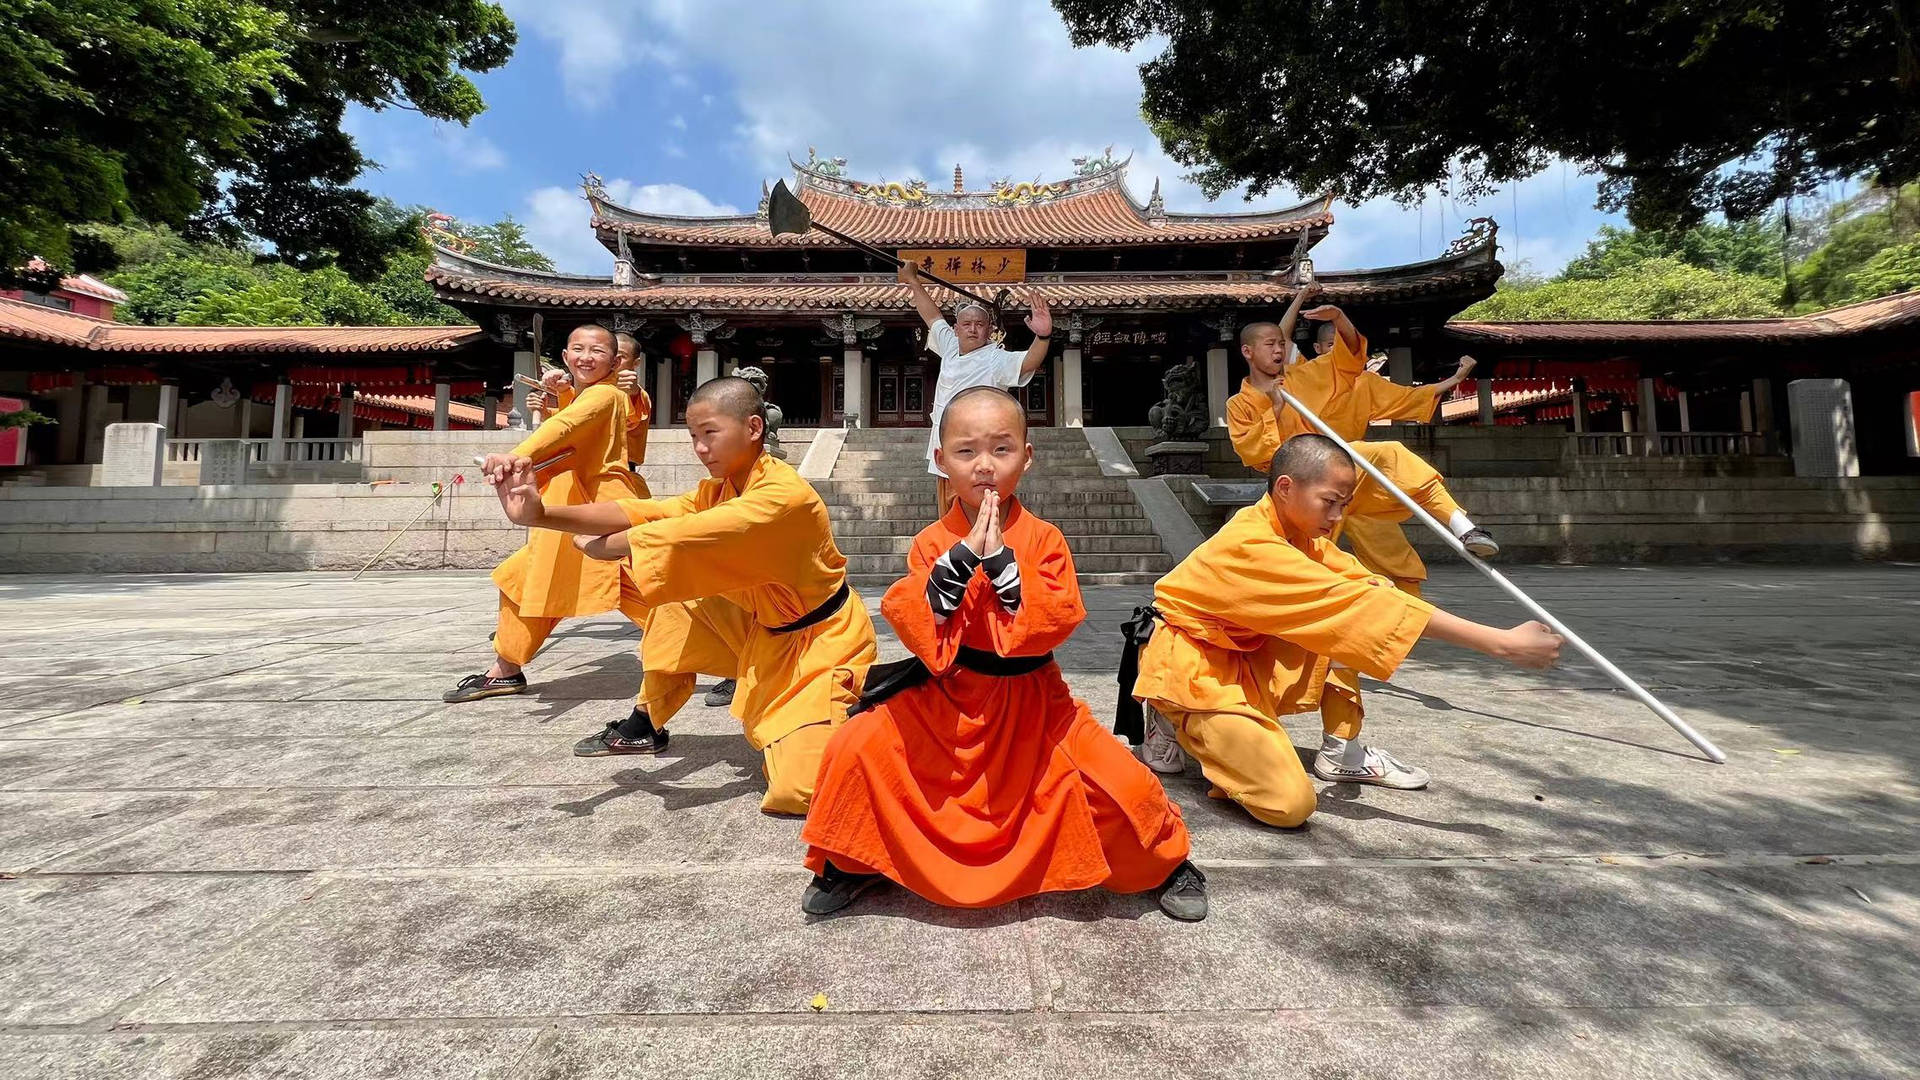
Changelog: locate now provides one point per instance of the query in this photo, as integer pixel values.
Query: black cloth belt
(886, 680)
(1129, 719)
(818, 615)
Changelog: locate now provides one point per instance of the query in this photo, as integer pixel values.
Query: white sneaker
(1377, 767)
(1480, 542)
(1161, 751)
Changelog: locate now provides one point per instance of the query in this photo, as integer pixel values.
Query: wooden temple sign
(967, 265)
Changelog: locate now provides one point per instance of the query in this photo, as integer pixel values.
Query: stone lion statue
(1182, 414)
(758, 377)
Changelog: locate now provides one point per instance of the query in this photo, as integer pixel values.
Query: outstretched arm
(1041, 323)
(1342, 325)
(1530, 645)
(916, 292)
(1292, 315)
(1446, 385)
(519, 494)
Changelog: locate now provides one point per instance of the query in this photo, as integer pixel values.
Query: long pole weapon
(1303, 278)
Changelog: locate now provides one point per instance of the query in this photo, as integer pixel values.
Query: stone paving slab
(241, 835)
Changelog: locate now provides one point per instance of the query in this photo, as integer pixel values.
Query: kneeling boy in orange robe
(971, 774)
(742, 579)
(1250, 626)
(548, 579)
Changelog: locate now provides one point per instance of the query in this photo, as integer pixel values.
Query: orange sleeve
(573, 427)
(1254, 432)
(1349, 362)
(754, 538)
(905, 607)
(1388, 400)
(1269, 587)
(1050, 604)
(641, 511)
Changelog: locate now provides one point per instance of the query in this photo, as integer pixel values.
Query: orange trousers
(1374, 517)
(1253, 762)
(517, 637)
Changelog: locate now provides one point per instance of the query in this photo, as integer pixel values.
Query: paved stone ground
(244, 838)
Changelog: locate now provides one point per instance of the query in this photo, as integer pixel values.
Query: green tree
(505, 242)
(404, 288)
(221, 117)
(1892, 270)
(1683, 109)
(1656, 288)
(1857, 231)
(158, 293)
(1738, 247)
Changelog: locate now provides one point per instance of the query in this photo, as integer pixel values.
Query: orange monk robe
(1253, 622)
(549, 577)
(718, 568)
(1253, 625)
(1340, 390)
(974, 790)
(639, 421)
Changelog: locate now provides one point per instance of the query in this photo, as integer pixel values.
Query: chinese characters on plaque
(971, 264)
(1127, 337)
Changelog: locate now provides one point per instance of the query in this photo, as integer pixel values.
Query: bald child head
(1251, 332)
(1310, 459)
(731, 396)
(988, 403)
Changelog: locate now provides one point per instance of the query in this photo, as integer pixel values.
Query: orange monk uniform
(639, 421)
(725, 574)
(549, 579)
(975, 789)
(1250, 625)
(1340, 390)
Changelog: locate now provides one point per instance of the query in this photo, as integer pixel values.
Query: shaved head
(596, 328)
(975, 400)
(1250, 332)
(730, 395)
(624, 340)
(1308, 459)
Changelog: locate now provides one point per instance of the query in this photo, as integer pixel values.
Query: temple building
(1136, 290)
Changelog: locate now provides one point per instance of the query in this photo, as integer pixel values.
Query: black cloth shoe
(1480, 542)
(1184, 894)
(721, 694)
(634, 735)
(475, 687)
(835, 889)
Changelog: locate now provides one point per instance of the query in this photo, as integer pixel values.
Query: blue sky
(684, 106)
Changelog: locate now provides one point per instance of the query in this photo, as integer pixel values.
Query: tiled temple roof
(1088, 210)
(20, 321)
(1471, 271)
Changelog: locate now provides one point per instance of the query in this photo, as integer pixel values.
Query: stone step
(1046, 504)
(915, 513)
(1079, 545)
(910, 526)
(1030, 489)
(1084, 564)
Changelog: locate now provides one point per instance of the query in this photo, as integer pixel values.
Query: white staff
(1495, 576)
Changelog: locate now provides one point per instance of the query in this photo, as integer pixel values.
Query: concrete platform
(242, 837)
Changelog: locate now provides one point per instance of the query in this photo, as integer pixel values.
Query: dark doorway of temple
(1118, 390)
(903, 392)
(1037, 396)
(794, 384)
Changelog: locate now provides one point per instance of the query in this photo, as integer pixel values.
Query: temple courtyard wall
(1544, 504)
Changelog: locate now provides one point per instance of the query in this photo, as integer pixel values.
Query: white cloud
(467, 151)
(991, 84)
(673, 150)
(558, 217)
(679, 122)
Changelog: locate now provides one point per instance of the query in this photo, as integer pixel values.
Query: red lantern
(681, 348)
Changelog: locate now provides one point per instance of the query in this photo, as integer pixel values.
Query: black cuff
(997, 562)
(964, 560)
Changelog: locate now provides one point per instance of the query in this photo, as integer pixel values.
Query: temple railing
(1675, 444)
(261, 451)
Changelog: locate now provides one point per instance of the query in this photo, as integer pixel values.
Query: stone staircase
(880, 495)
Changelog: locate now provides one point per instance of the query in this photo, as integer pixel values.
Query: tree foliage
(1683, 109)
(1743, 247)
(1662, 287)
(221, 118)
